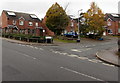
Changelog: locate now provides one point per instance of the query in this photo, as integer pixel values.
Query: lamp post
(78, 40)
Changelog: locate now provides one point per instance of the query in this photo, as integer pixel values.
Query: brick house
(112, 24)
(24, 23)
(72, 26)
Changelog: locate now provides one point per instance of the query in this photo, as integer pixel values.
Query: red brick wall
(113, 27)
(74, 28)
(48, 31)
(4, 20)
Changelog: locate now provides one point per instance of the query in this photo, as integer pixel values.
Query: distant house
(112, 24)
(23, 23)
(72, 26)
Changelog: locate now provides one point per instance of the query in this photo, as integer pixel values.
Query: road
(66, 62)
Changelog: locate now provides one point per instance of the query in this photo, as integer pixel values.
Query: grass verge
(65, 41)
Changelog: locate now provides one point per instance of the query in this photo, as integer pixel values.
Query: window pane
(36, 24)
(30, 23)
(21, 23)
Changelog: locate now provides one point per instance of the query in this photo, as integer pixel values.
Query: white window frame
(110, 31)
(109, 23)
(21, 22)
(36, 24)
(30, 24)
(14, 22)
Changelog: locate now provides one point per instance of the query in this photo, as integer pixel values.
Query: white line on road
(93, 45)
(81, 50)
(108, 64)
(28, 45)
(31, 46)
(82, 74)
(26, 55)
(83, 58)
(92, 61)
(35, 47)
(96, 60)
(76, 50)
(73, 55)
(40, 49)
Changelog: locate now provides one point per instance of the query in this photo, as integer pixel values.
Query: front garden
(25, 37)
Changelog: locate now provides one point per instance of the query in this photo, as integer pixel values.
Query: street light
(78, 40)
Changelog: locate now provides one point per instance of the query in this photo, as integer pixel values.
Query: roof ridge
(113, 13)
(27, 16)
(18, 12)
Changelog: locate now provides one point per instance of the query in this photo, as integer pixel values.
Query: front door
(41, 32)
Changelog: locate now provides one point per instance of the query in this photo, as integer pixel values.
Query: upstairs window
(36, 24)
(109, 23)
(21, 22)
(30, 23)
(14, 22)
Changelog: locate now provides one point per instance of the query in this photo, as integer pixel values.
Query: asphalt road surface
(66, 62)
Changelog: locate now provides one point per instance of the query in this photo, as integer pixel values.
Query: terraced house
(113, 24)
(23, 23)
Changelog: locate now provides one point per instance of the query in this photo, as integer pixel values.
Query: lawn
(65, 41)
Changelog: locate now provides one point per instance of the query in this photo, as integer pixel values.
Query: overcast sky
(40, 7)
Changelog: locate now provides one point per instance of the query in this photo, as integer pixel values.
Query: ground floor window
(110, 31)
(29, 31)
(33, 31)
(118, 30)
(14, 31)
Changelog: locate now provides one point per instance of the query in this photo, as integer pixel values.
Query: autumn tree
(94, 20)
(56, 19)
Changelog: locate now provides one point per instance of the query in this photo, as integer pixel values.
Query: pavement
(29, 43)
(109, 56)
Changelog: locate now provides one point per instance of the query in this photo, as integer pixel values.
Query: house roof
(112, 16)
(18, 15)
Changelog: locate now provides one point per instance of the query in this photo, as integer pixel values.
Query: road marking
(96, 60)
(92, 61)
(19, 44)
(76, 50)
(81, 74)
(31, 46)
(34, 58)
(73, 55)
(26, 55)
(23, 45)
(28, 45)
(83, 58)
(40, 49)
(35, 47)
(108, 64)
(64, 53)
(81, 50)
(93, 45)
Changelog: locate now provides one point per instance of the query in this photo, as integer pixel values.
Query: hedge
(25, 37)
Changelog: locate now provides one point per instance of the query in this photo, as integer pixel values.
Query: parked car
(71, 34)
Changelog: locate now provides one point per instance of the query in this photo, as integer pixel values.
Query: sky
(40, 7)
